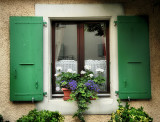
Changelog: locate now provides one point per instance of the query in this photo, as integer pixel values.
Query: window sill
(62, 95)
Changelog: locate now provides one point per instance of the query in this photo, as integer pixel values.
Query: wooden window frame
(80, 51)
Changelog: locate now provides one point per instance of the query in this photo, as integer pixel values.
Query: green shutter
(26, 58)
(133, 57)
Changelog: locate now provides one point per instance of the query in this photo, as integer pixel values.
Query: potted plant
(84, 87)
(67, 81)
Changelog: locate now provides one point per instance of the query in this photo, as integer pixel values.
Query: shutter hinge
(44, 23)
(115, 23)
(44, 93)
(117, 92)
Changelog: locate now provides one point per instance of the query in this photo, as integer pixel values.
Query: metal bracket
(32, 99)
(129, 99)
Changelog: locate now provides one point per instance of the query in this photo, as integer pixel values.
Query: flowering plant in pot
(84, 87)
(67, 81)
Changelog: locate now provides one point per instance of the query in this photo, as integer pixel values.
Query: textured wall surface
(12, 111)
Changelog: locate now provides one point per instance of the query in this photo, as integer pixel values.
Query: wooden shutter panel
(26, 58)
(133, 57)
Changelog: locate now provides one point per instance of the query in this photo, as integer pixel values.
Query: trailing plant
(42, 116)
(84, 86)
(130, 114)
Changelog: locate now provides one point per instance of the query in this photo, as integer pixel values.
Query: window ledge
(62, 95)
(104, 95)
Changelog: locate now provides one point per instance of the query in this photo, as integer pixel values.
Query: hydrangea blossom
(87, 67)
(100, 70)
(90, 75)
(72, 84)
(92, 86)
(59, 68)
(83, 72)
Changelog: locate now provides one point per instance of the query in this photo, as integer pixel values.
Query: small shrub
(1, 118)
(42, 116)
(130, 114)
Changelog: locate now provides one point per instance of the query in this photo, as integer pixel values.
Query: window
(80, 43)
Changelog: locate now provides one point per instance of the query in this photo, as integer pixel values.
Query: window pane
(95, 47)
(65, 47)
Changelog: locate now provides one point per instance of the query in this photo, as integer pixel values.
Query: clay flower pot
(67, 93)
(92, 98)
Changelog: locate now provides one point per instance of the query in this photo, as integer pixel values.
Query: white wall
(79, 12)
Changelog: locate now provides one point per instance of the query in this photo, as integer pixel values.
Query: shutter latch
(36, 84)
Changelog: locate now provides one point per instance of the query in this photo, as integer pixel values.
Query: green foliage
(1, 118)
(42, 116)
(64, 78)
(83, 93)
(130, 114)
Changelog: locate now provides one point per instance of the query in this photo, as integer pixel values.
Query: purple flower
(72, 84)
(92, 86)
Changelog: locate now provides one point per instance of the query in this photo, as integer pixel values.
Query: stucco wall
(152, 106)
(12, 111)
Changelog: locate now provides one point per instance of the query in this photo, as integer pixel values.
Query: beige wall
(12, 111)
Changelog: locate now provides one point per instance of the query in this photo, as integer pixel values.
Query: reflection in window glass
(65, 47)
(95, 47)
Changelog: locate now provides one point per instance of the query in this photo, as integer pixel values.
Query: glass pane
(95, 48)
(65, 47)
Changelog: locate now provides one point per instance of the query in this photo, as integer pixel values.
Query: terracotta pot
(67, 93)
(92, 98)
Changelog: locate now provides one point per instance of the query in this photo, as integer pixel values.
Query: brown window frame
(80, 51)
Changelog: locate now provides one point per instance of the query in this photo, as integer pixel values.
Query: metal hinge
(44, 23)
(117, 92)
(44, 93)
(115, 23)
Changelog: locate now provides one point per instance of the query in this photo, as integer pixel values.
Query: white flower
(90, 75)
(74, 72)
(83, 72)
(87, 67)
(59, 68)
(57, 88)
(69, 70)
(100, 70)
(57, 74)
